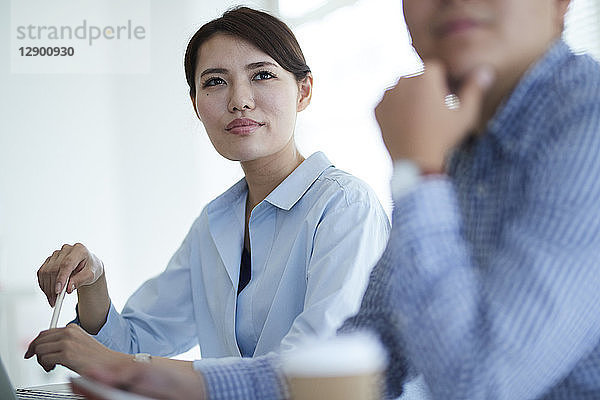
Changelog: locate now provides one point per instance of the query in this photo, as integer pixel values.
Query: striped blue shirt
(490, 284)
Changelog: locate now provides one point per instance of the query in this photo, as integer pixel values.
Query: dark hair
(263, 30)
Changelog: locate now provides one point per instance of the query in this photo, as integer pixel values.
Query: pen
(57, 308)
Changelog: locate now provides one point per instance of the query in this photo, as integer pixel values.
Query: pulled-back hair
(263, 30)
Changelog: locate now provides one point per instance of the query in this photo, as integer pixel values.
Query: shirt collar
(506, 127)
(283, 196)
(299, 181)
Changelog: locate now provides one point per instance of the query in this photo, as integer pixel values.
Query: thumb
(472, 91)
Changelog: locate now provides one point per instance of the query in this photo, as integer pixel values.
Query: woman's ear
(194, 105)
(304, 92)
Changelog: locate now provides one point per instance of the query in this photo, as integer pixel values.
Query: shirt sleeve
(516, 326)
(347, 243)
(158, 318)
(258, 378)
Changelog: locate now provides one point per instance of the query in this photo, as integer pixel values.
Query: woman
(282, 254)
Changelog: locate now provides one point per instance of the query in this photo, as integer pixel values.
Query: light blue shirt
(313, 242)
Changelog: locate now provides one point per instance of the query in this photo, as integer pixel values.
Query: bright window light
(295, 8)
(355, 53)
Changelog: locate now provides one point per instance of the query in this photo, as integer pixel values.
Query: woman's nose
(241, 98)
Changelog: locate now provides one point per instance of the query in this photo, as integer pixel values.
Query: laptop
(49, 392)
(61, 391)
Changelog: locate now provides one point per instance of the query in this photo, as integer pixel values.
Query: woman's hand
(72, 347)
(152, 380)
(73, 266)
(417, 125)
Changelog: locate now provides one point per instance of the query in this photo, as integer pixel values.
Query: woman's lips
(243, 126)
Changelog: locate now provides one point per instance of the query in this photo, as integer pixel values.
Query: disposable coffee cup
(349, 367)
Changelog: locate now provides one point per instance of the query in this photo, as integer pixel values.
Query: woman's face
(245, 99)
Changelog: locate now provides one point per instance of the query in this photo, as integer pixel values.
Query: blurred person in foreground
(489, 284)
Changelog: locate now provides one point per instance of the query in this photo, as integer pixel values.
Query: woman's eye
(213, 82)
(262, 75)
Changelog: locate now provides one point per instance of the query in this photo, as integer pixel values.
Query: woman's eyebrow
(260, 64)
(213, 71)
(249, 67)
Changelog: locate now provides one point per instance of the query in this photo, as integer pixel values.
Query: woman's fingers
(45, 277)
(72, 266)
(80, 276)
(44, 337)
(70, 257)
(69, 346)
